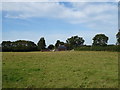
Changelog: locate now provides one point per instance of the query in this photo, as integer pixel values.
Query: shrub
(99, 48)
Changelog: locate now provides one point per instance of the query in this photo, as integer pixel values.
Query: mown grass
(76, 69)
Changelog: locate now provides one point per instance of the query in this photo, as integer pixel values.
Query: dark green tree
(57, 43)
(41, 44)
(100, 40)
(19, 45)
(75, 41)
(51, 46)
(6, 46)
(62, 43)
(118, 37)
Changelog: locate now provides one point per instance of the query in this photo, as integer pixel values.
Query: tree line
(19, 46)
(75, 42)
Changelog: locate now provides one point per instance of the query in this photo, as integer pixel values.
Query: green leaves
(51, 46)
(19, 45)
(118, 37)
(100, 40)
(41, 44)
(75, 41)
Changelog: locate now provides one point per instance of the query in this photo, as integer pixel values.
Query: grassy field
(66, 69)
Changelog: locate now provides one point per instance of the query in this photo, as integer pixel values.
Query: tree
(6, 46)
(51, 46)
(75, 41)
(62, 43)
(41, 44)
(23, 45)
(19, 45)
(57, 43)
(118, 37)
(67, 46)
(100, 40)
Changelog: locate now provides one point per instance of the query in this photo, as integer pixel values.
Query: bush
(99, 48)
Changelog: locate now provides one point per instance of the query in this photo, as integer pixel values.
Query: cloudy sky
(59, 20)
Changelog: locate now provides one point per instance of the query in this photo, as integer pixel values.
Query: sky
(58, 21)
(59, 0)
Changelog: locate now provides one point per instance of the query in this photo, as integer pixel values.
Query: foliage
(100, 40)
(7, 45)
(118, 37)
(41, 44)
(68, 46)
(58, 43)
(75, 41)
(99, 48)
(62, 43)
(20, 45)
(51, 46)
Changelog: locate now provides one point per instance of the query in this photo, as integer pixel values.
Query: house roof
(61, 47)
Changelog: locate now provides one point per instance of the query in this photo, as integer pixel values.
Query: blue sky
(59, 21)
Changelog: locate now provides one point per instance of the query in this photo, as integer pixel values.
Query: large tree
(57, 43)
(41, 44)
(23, 45)
(75, 41)
(19, 45)
(100, 40)
(118, 37)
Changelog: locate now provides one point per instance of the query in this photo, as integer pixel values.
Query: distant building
(62, 48)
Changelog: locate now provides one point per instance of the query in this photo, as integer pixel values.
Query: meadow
(65, 69)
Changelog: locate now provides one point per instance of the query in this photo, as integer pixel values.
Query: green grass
(69, 69)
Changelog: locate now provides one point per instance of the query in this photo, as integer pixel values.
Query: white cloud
(79, 13)
(91, 14)
(102, 16)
